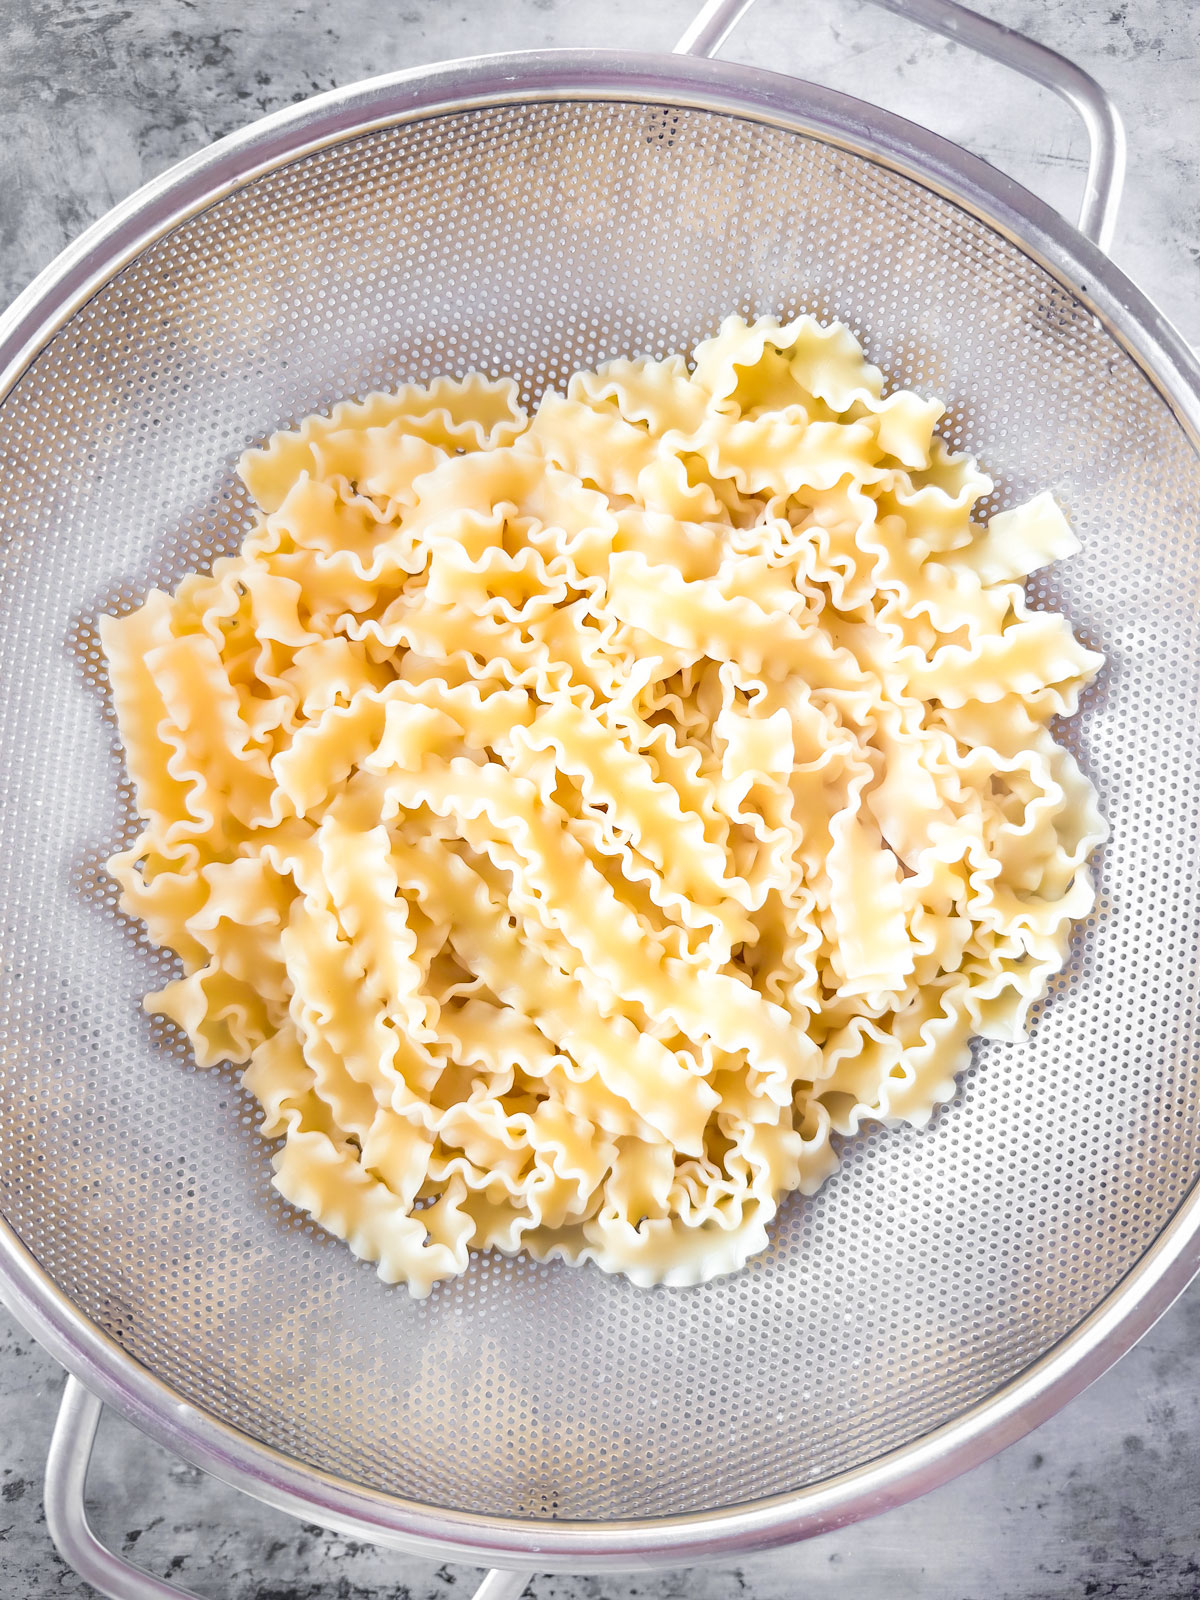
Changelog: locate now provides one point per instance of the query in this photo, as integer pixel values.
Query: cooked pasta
(573, 822)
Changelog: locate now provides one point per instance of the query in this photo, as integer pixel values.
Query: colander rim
(474, 83)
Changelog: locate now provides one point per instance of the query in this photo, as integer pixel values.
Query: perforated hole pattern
(534, 240)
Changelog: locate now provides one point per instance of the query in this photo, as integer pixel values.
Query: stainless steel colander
(948, 1288)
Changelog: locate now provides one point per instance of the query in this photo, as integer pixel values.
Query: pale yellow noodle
(573, 822)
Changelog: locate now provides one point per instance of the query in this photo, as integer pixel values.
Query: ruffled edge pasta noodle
(573, 821)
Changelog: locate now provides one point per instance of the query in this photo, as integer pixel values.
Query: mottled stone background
(96, 97)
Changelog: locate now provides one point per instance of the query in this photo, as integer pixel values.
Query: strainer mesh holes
(537, 239)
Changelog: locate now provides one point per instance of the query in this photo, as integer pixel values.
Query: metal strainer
(948, 1288)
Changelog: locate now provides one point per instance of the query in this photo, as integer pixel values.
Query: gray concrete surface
(97, 96)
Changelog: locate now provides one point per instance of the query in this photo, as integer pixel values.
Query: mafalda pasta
(573, 821)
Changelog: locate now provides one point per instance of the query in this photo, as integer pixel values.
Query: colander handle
(1106, 135)
(66, 1515)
